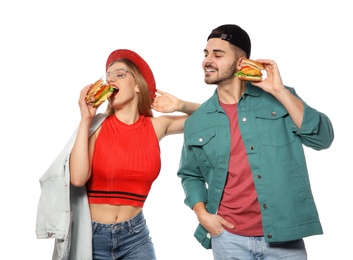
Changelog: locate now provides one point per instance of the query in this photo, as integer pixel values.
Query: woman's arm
(167, 103)
(82, 151)
(171, 124)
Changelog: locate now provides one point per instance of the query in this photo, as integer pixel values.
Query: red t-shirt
(239, 204)
(126, 161)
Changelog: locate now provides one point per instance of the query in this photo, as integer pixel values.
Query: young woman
(120, 160)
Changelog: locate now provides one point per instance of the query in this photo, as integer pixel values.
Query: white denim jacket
(63, 210)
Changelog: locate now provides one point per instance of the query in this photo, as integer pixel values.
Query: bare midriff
(109, 214)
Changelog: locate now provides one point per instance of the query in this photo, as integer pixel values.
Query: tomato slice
(100, 91)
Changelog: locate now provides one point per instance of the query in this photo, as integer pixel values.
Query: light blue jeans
(129, 240)
(228, 246)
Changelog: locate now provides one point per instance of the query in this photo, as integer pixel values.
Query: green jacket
(274, 146)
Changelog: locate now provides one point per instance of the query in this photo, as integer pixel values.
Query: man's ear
(239, 62)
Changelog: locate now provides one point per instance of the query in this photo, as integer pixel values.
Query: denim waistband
(128, 223)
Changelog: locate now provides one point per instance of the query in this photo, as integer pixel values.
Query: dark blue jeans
(129, 240)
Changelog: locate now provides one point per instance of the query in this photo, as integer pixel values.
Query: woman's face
(123, 80)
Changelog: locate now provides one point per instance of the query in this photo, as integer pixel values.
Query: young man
(243, 167)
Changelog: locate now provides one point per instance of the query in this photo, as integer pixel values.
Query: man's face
(219, 64)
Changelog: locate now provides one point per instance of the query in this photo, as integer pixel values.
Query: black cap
(235, 35)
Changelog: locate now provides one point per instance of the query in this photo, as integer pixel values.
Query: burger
(250, 70)
(99, 92)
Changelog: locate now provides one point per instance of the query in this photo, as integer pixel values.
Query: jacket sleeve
(53, 212)
(194, 187)
(192, 179)
(316, 131)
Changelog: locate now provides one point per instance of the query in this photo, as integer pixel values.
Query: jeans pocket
(139, 226)
(219, 234)
(95, 227)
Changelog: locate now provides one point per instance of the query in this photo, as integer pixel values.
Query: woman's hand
(87, 111)
(166, 103)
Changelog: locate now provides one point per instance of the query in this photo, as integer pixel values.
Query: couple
(242, 166)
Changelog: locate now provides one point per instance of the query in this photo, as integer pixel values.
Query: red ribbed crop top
(126, 161)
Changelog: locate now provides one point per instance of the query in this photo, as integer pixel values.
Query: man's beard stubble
(229, 74)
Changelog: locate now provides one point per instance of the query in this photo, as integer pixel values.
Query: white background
(51, 49)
